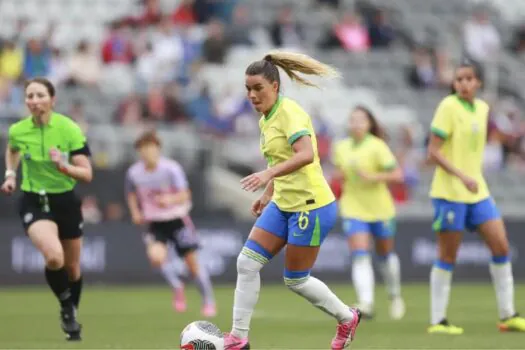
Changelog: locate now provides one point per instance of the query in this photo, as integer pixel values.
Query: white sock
(170, 272)
(318, 293)
(203, 283)
(440, 281)
(363, 280)
(246, 291)
(504, 286)
(391, 272)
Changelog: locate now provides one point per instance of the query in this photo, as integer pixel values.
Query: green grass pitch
(142, 318)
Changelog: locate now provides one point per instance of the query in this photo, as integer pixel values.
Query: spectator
(518, 42)
(152, 13)
(422, 73)
(117, 48)
(146, 69)
(240, 31)
(216, 45)
(58, 68)
(348, 34)
(168, 51)
(11, 61)
(184, 15)
(285, 31)
(161, 107)
(330, 3)
(380, 31)
(131, 111)
(85, 67)
(445, 70)
(77, 112)
(481, 38)
(37, 59)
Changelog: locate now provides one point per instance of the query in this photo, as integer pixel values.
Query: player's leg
(202, 279)
(266, 239)
(485, 216)
(72, 250)
(449, 224)
(358, 237)
(307, 231)
(186, 244)
(389, 265)
(170, 272)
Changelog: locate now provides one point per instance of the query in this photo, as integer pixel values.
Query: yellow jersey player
(297, 209)
(461, 200)
(366, 165)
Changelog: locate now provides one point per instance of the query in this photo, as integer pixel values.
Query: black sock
(59, 284)
(76, 291)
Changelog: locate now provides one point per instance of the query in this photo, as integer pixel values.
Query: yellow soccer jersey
(464, 128)
(361, 200)
(306, 188)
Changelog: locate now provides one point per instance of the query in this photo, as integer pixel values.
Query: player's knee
(157, 255)
(246, 264)
(54, 259)
(295, 280)
(252, 258)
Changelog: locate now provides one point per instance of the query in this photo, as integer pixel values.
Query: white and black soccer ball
(201, 335)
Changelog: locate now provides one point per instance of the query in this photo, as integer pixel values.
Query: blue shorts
(455, 216)
(306, 228)
(378, 229)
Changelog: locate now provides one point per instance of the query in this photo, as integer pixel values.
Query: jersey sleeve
(442, 123)
(296, 125)
(385, 158)
(178, 177)
(77, 141)
(12, 140)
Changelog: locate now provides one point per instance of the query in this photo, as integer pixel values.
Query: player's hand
(366, 177)
(470, 184)
(163, 200)
(257, 180)
(56, 158)
(137, 218)
(259, 205)
(9, 185)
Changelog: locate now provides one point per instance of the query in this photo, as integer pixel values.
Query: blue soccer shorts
(457, 217)
(378, 229)
(305, 228)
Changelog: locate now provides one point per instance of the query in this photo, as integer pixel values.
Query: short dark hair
(42, 81)
(148, 137)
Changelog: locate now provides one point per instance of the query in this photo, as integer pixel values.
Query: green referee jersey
(34, 142)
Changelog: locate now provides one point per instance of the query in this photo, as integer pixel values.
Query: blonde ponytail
(293, 63)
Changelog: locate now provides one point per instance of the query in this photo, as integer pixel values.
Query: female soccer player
(462, 201)
(297, 209)
(365, 165)
(158, 194)
(54, 154)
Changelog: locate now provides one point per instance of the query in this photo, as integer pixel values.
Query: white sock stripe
(295, 281)
(254, 255)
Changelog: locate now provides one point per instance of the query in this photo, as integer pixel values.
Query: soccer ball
(201, 335)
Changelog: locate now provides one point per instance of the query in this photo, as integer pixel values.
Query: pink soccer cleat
(231, 342)
(179, 300)
(346, 331)
(209, 310)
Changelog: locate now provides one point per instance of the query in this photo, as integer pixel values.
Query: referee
(54, 155)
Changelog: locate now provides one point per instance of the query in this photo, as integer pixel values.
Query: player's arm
(389, 169)
(132, 201)
(441, 130)
(180, 182)
(12, 161)
(268, 192)
(80, 166)
(303, 154)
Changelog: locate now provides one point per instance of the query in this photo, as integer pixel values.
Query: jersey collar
(51, 121)
(274, 108)
(471, 107)
(355, 143)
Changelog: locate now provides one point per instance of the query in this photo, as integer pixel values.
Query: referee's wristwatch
(10, 173)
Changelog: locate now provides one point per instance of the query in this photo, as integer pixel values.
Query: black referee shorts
(183, 238)
(64, 209)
